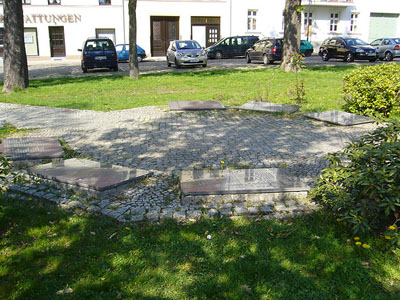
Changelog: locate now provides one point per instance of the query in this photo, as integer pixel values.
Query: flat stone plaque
(88, 174)
(31, 148)
(195, 105)
(339, 118)
(244, 181)
(270, 107)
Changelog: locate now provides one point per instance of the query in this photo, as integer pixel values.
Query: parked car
(98, 53)
(347, 49)
(265, 50)
(306, 48)
(123, 52)
(231, 46)
(270, 49)
(186, 53)
(387, 48)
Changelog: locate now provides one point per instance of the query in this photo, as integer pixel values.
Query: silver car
(186, 53)
(387, 48)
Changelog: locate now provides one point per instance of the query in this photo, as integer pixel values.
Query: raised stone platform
(339, 118)
(88, 174)
(194, 105)
(243, 181)
(31, 148)
(270, 107)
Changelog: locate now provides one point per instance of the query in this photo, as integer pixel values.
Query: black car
(98, 53)
(347, 49)
(265, 50)
(231, 46)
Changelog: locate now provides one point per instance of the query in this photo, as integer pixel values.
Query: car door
(331, 47)
(386, 45)
(341, 49)
(171, 52)
(252, 50)
(259, 49)
(377, 45)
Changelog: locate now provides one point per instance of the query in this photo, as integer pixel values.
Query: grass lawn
(47, 253)
(103, 93)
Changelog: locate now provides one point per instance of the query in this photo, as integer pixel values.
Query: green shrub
(361, 186)
(372, 91)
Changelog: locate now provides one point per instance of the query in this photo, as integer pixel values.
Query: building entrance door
(57, 41)
(163, 30)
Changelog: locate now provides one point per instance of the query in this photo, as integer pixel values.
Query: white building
(57, 28)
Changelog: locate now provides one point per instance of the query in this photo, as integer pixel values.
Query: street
(71, 67)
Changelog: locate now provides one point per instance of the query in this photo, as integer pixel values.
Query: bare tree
(14, 57)
(292, 32)
(133, 61)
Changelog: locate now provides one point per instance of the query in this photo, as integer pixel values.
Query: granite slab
(31, 148)
(339, 118)
(243, 181)
(88, 174)
(270, 107)
(194, 105)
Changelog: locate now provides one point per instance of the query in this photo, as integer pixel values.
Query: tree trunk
(292, 32)
(14, 57)
(133, 61)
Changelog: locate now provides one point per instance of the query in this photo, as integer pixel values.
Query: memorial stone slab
(270, 107)
(195, 105)
(88, 174)
(339, 118)
(31, 148)
(244, 181)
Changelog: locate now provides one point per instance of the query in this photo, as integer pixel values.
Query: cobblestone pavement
(153, 138)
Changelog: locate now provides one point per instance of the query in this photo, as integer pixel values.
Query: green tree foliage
(373, 91)
(361, 186)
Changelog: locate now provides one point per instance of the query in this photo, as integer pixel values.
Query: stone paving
(164, 142)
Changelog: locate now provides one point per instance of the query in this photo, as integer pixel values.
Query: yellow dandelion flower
(127, 228)
(358, 243)
(29, 198)
(338, 219)
(356, 238)
(392, 227)
(388, 237)
(366, 246)
(222, 162)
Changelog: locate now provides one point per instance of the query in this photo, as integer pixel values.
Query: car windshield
(188, 45)
(355, 42)
(99, 45)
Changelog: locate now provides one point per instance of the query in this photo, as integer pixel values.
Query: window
(353, 22)
(251, 19)
(307, 20)
(105, 2)
(26, 1)
(334, 22)
(54, 2)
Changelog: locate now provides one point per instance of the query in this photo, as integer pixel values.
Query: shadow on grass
(46, 250)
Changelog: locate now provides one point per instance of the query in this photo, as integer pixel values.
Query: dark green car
(231, 46)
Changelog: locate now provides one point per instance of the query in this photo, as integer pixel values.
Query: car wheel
(84, 69)
(176, 64)
(248, 59)
(115, 69)
(349, 57)
(388, 56)
(168, 63)
(266, 60)
(372, 60)
(218, 55)
(325, 56)
(204, 65)
(381, 58)
(139, 59)
(308, 53)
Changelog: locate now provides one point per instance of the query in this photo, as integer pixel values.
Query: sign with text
(49, 18)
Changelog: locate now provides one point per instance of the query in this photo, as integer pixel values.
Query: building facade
(57, 28)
